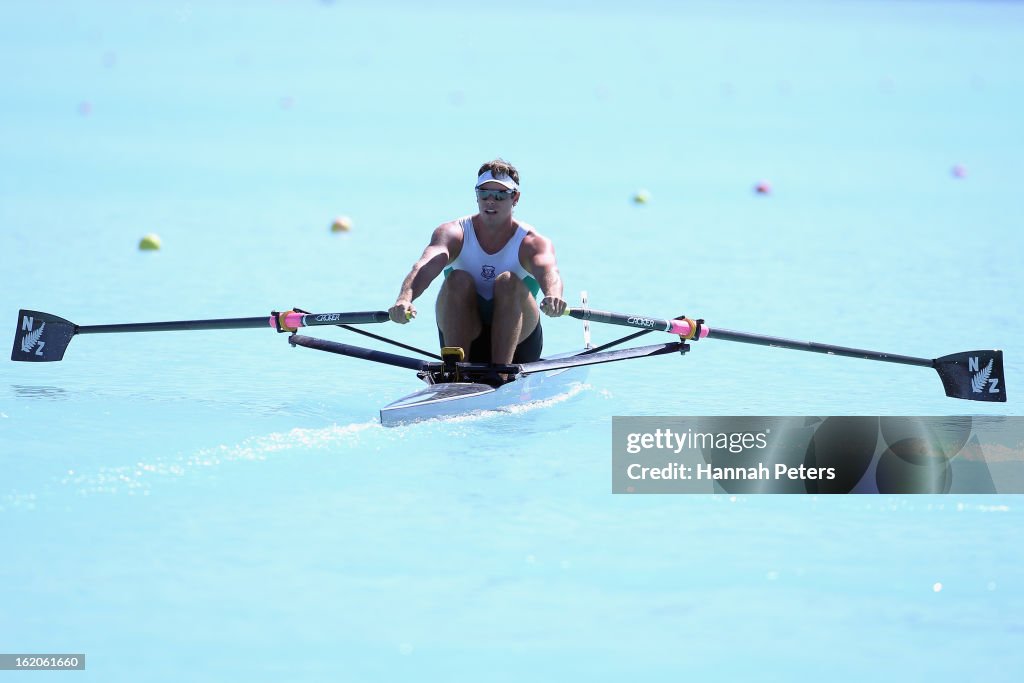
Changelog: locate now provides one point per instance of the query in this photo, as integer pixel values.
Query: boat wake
(139, 478)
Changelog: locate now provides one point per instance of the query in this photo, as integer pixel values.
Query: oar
(42, 337)
(970, 375)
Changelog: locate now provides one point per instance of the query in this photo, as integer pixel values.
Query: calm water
(217, 506)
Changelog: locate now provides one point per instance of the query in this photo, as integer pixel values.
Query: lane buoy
(150, 242)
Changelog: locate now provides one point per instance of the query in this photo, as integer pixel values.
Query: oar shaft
(173, 326)
(762, 340)
(289, 320)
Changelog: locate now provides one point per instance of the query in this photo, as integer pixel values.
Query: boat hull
(462, 398)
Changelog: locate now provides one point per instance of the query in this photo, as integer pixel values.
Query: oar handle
(683, 327)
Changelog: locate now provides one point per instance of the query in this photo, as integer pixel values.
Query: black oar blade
(41, 337)
(973, 375)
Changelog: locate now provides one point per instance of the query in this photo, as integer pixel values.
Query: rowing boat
(454, 387)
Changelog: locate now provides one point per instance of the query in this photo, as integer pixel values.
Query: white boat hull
(461, 398)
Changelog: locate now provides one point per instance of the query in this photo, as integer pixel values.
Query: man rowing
(494, 267)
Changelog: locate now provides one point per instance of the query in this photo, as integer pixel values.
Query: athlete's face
(495, 201)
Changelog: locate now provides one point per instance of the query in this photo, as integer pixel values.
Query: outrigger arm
(476, 371)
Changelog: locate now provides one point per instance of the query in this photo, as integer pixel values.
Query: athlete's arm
(538, 257)
(444, 247)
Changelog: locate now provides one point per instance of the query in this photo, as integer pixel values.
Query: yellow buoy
(150, 242)
(642, 197)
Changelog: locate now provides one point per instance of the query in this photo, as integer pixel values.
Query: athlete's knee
(459, 282)
(508, 284)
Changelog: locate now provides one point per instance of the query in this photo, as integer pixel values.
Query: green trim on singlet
(532, 284)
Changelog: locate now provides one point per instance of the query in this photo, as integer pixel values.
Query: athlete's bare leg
(515, 317)
(458, 315)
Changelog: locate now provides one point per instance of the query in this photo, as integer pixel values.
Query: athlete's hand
(552, 306)
(402, 312)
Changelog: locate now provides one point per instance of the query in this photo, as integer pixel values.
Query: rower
(494, 267)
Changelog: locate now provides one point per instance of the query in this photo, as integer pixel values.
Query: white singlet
(484, 267)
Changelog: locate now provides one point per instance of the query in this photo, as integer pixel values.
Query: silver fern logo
(982, 376)
(29, 341)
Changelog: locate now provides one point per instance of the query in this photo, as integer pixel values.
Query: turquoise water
(216, 506)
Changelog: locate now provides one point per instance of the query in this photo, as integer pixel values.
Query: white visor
(503, 180)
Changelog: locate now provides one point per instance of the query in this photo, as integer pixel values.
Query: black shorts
(528, 350)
